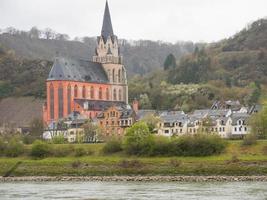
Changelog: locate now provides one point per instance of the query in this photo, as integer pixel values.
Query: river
(133, 190)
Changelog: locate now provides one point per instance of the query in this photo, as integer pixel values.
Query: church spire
(107, 29)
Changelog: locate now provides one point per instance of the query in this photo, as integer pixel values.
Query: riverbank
(236, 161)
(135, 178)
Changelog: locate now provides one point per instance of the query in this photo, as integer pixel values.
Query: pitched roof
(97, 105)
(107, 29)
(77, 70)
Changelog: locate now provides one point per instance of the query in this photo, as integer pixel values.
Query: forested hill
(236, 61)
(234, 68)
(140, 56)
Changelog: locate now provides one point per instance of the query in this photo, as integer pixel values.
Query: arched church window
(114, 95)
(119, 94)
(60, 101)
(107, 94)
(92, 92)
(51, 91)
(69, 98)
(113, 75)
(75, 91)
(100, 93)
(119, 75)
(84, 92)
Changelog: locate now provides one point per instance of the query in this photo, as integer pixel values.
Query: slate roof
(77, 70)
(239, 116)
(98, 105)
(142, 113)
(107, 30)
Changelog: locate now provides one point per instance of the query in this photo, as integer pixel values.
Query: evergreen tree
(170, 62)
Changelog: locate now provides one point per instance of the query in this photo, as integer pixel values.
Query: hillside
(234, 68)
(140, 56)
(20, 111)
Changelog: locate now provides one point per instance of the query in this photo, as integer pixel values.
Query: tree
(91, 131)
(36, 128)
(258, 123)
(138, 140)
(145, 102)
(34, 33)
(170, 62)
(49, 34)
(151, 121)
(62, 37)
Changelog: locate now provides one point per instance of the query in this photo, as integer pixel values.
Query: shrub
(14, 148)
(197, 145)
(130, 164)
(80, 151)
(58, 139)
(161, 146)
(112, 146)
(264, 150)
(138, 140)
(62, 150)
(2, 146)
(175, 162)
(249, 139)
(76, 164)
(40, 149)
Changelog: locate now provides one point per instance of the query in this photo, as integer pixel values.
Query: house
(239, 123)
(172, 123)
(115, 119)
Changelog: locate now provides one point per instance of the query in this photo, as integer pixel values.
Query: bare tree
(49, 34)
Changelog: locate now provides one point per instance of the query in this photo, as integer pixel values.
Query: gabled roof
(77, 70)
(107, 29)
(239, 116)
(98, 105)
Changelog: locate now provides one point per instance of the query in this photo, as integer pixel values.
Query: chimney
(135, 105)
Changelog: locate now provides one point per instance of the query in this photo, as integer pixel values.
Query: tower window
(114, 95)
(75, 91)
(100, 93)
(92, 92)
(84, 92)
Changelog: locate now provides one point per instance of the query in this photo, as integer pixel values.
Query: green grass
(251, 160)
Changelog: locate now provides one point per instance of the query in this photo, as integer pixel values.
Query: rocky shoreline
(136, 178)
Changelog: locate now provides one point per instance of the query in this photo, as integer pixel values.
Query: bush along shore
(139, 154)
(136, 178)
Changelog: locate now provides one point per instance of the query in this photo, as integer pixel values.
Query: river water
(133, 190)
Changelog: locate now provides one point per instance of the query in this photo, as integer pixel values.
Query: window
(119, 94)
(100, 93)
(92, 92)
(245, 128)
(69, 99)
(119, 76)
(107, 94)
(51, 91)
(60, 101)
(240, 128)
(113, 75)
(114, 95)
(84, 92)
(235, 129)
(75, 91)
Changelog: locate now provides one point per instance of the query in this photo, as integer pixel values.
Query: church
(88, 86)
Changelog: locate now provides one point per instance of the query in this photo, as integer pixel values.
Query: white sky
(168, 20)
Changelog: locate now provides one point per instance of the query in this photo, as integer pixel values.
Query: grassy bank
(236, 160)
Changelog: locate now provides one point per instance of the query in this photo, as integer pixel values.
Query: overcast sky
(167, 20)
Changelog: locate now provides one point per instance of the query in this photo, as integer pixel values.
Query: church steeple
(107, 29)
(107, 50)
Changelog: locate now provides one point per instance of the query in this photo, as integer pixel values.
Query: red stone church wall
(72, 84)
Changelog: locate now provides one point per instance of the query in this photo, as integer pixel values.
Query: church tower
(108, 54)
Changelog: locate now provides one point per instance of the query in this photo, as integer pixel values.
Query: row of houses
(113, 121)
